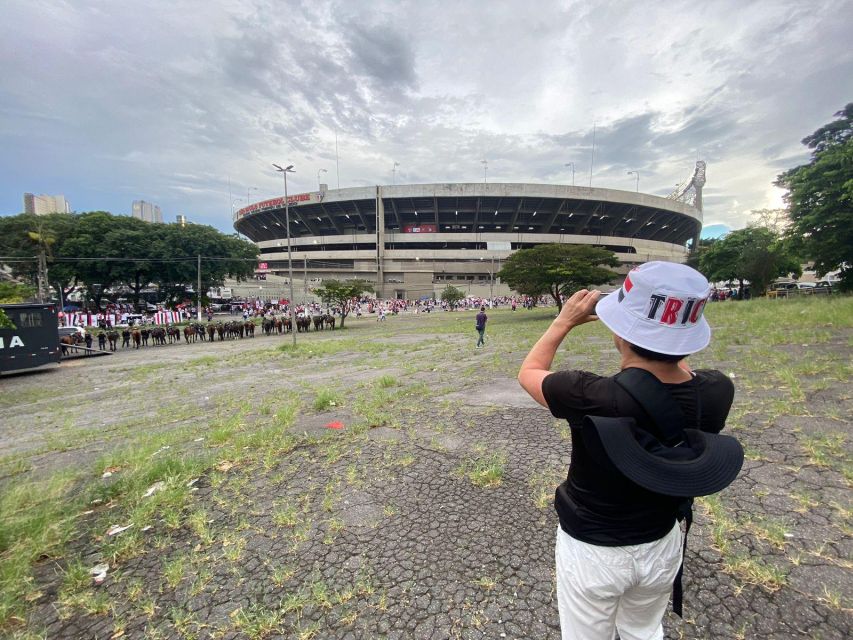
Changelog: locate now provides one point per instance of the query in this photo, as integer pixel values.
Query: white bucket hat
(660, 308)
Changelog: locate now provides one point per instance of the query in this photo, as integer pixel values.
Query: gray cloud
(166, 101)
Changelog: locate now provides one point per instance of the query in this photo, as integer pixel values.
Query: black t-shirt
(596, 503)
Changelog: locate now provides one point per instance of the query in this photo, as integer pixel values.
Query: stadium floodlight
(637, 173)
(319, 171)
(572, 165)
(292, 305)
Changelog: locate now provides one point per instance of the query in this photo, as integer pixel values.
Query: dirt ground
(427, 512)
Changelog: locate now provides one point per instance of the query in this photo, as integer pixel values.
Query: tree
(451, 295)
(557, 269)
(820, 198)
(10, 293)
(755, 254)
(339, 293)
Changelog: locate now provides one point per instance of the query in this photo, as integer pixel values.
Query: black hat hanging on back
(702, 464)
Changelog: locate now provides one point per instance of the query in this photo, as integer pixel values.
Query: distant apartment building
(147, 211)
(42, 205)
(181, 220)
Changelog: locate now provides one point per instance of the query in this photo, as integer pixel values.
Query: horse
(125, 338)
(67, 342)
(145, 334)
(137, 338)
(189, 332)
(249, 326)
(329, 319)
(303, 323)
(318, 323)
(158, 334)
(174, 334)
(112, 336)
(211, 331)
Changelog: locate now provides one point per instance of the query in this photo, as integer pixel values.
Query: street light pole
(485, 164)
(492, 282)
(572, 165)
(284, 172)
(636, 173)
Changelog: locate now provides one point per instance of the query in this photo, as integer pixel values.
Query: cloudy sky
(108, 102)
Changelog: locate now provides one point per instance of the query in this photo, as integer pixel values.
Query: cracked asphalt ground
(428, 515)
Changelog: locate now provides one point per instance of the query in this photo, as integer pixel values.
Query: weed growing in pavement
(823, 449)
(386, 381)
(770, 530)
(543, 485)
(753, 570)
(326, 399)
(281, 574)
(486, 470)
(173, 570)
(258, 621)
(486, 582)
(183, 621)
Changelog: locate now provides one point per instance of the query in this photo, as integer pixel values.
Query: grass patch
(385, 381)
(825, 449)
(258, 622)
(485, 471)
(325, 399)
(543, 484)
(756, 571)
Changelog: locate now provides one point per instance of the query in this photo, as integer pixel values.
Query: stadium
(413, 240)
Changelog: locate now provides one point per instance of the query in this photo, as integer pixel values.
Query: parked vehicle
(786, 289)
(72, 331)
(824, 287)
(34, 342)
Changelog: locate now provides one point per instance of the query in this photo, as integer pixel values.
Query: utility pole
(492, 282)
(42, 275)
(284, 171)
(305, 277)
(198, 291)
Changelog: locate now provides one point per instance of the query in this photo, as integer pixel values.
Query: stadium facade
(413, 240)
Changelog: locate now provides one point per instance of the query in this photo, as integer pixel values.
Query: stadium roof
(475, 207)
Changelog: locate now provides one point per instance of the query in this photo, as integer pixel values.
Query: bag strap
(655, 399)
(666, 414)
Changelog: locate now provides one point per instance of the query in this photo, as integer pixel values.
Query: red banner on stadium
(420, 228)
(273, 203)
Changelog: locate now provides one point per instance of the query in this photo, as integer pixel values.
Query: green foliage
(756, 254)
(820, 198)
(339, 293)
(11, 293)
(451, 295)
(76, 243)
(557, 269)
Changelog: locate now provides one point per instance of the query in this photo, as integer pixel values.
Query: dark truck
(34, 342)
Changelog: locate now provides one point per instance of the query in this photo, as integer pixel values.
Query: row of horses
(138, 337)
(303, 323)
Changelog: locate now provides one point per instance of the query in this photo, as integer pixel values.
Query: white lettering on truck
(14, 342)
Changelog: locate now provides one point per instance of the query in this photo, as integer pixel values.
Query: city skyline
(194, 107)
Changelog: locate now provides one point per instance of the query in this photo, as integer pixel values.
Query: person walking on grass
(643, 443)
(481, 326)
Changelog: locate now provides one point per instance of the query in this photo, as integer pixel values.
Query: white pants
(602, 589)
